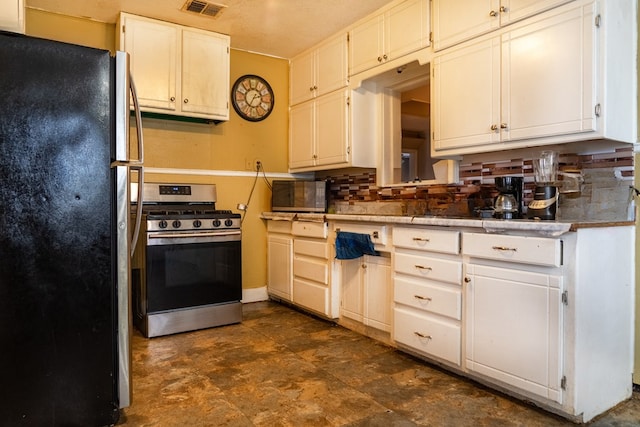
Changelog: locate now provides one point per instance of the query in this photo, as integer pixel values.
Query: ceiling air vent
(203, 8)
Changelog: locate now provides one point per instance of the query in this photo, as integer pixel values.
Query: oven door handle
(175, 238)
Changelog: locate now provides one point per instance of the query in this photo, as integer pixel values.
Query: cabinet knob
(493, 13)
(494, 127)
(172, 99)
(503, 9)
(467, 280)
(503, 125)
(364, 265)
(385, 57)
(186, 101)
(379, 58)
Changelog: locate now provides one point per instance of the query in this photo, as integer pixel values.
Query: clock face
(252, 98)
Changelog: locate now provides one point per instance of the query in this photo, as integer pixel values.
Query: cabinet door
(367, 45)
(302, 135)
(332, 126)
(303, 80)
(280, 273)
(351, 305)
(547, 77)
(515, 10)
(407, 28)
(514, 328)
(153, 50)
(455, 21)
(466, 96)
(12, 16)
(332, 65)
(205, 74)
(377, 292)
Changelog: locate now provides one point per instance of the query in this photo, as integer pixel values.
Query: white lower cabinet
(514, 328)
(550, 319)
(279, 259)
(366, 291)
(312, 281)
(427, 292)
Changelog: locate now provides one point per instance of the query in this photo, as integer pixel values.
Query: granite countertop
(550, 228)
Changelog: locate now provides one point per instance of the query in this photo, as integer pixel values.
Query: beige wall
(211, 149)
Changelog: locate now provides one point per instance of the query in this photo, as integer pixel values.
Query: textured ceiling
(281, 28)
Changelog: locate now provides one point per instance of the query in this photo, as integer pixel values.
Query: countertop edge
(554, 228)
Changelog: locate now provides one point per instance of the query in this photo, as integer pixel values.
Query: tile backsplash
(604, 195)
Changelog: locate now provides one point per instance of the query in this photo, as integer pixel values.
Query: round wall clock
(252, 98)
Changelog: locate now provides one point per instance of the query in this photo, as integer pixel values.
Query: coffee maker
(545, 198)
(508, 204)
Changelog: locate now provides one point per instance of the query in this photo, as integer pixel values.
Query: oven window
(189, 275)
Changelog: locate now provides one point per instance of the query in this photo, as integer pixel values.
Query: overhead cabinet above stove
(178, 70)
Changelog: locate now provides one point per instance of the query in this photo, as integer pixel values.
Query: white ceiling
(281, 28)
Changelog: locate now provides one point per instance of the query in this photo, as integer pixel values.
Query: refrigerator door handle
(138, 165)
(125, 87)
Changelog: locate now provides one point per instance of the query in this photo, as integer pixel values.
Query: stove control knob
(176, 224)
(216, 223)
(197, 223)
(162, 224)
(228, 223)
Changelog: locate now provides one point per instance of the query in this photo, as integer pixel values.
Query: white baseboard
(254, 295)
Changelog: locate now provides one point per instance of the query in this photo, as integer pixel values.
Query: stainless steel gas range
(186, 269)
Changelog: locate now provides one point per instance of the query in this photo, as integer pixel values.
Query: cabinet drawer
(377, 232)
(315, 248)
(427, 335)
(427, 239)
(311, 295)
(279, 227)
(429, 268)
(429, 297)
(527, 250)
(312, 269)
(310, 229)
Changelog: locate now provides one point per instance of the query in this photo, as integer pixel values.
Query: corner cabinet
(390, 35)
(542, 80)
(12, 16)
(280, 260)
(319, 71)
(178, 70)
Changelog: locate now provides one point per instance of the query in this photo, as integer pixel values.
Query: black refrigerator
(65, 238)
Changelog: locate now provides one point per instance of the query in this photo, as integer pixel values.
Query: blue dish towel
(353, 245)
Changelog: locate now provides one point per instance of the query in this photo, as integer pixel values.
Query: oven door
(187, 269)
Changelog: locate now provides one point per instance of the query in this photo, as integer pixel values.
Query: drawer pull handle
(427, 337)
(504, 248)
(420, 297)
(420, 239)
(422, 267)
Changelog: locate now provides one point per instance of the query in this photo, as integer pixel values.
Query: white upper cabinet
(540, 81)
(319, 71)
(455, 21)
(12, 16)
(177, 70)
(319, 132)
(390, 35)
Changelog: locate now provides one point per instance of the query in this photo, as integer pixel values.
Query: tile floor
(280, 367)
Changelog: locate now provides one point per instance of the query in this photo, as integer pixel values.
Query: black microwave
(299, 196)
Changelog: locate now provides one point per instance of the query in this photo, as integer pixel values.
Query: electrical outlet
(249, 164)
